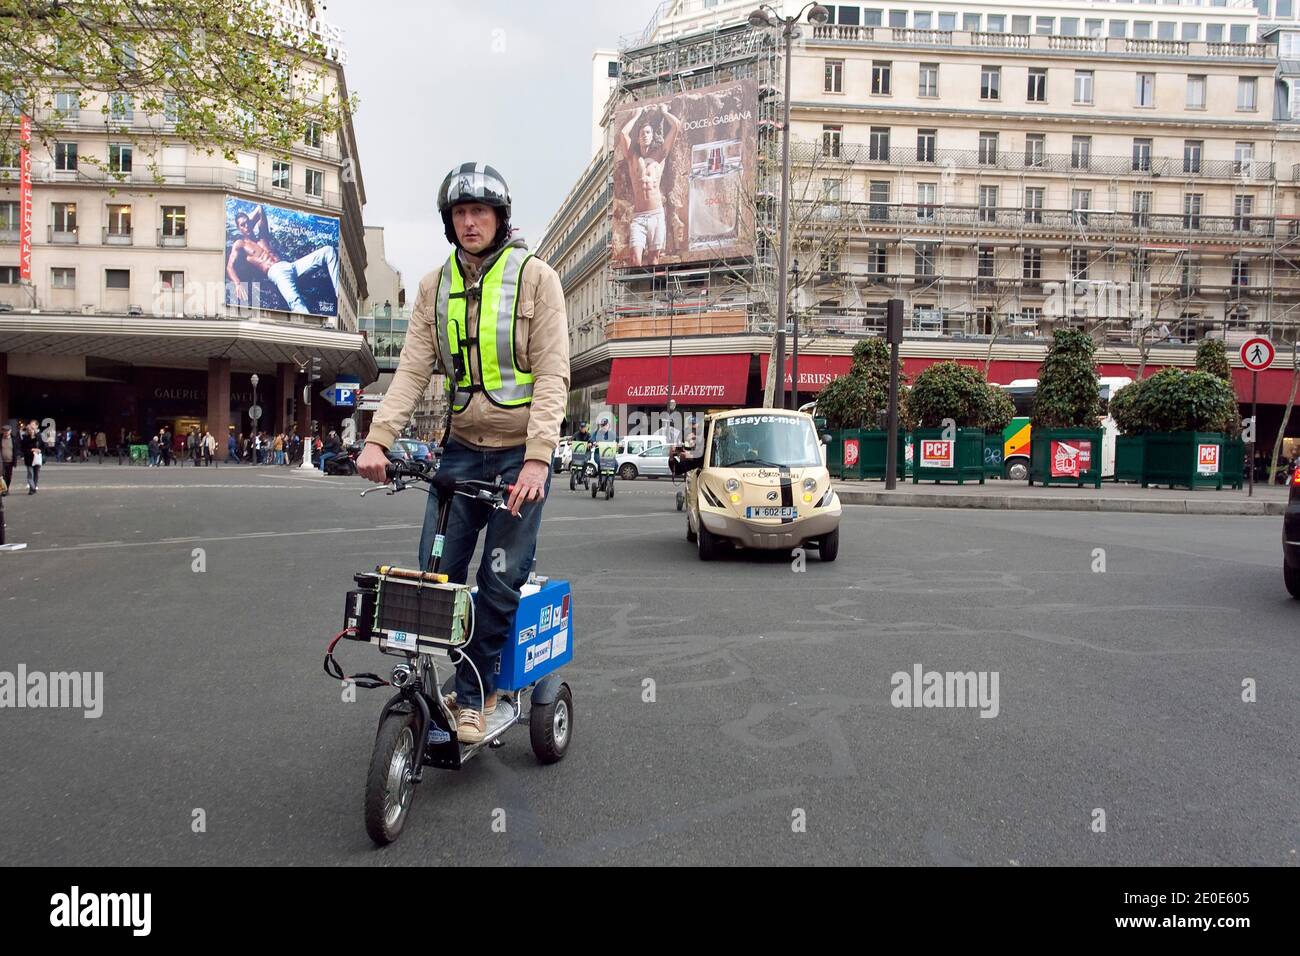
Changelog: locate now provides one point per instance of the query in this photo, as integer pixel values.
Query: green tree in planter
(1212, 357)
(1067, 383)
(1124, 408)
(856, 399)
(1174, 400)
(949, 390)
(1001, 409)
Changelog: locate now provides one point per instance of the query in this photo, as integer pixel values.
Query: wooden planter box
(1129, 453)
(1233, 462)
(963, 457)
(1175, 459)
(1050, 460)
(864, 451)
(994, 448)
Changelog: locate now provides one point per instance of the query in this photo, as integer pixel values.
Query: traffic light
(315, 369)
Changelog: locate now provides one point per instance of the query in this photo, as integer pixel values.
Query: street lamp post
(765, 16)
(670, 404)
(794, 346)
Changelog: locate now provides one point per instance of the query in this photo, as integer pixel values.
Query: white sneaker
(471, 728)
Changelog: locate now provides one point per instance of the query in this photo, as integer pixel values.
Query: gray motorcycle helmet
(475, 182)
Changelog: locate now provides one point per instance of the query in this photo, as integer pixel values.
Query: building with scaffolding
(1004, 169)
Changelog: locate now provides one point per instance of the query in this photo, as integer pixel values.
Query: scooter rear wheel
(390, 784)
(550, 726)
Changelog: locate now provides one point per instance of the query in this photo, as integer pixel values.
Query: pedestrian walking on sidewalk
(33, 456)
(8, 454)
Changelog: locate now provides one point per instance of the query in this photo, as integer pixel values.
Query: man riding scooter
(507, 386)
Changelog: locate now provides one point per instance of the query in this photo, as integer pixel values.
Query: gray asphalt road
(1119, 691)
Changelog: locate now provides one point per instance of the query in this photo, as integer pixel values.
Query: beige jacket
(541, 343)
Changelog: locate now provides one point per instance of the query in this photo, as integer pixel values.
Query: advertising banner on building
(684, 168)
(281, 259)
(25, 198)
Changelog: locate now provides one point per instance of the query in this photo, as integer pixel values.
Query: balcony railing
(1017, 160)
(1082, 222)
(117, 237)
(1026, 41)
(1164, 47)
(172, 241)
(9, 235)
(62, 237)
(968, 323)
(1010, 41)
(598, 251)
(220, 177)
(1084, 44)
(139, 121)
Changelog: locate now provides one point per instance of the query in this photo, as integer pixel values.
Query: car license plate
(771, 513)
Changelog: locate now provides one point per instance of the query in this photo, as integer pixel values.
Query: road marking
(156, 487)
(289, 534)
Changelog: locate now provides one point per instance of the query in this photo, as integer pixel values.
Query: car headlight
(809, 484)
(732, 485)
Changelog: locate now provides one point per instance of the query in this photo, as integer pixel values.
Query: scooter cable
(333, 669)
(473, 623)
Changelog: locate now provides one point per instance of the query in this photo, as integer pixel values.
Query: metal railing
(142, 122)
(599, 208)
(597, 252)
(1098, 223)
(223, 177)
(944, 322)
(1027, 41)
(117, 237)
(1017, 160)
(65, 237)
(173, 241)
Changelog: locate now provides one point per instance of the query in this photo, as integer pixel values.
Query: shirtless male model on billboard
(648, 228)
(255, 252)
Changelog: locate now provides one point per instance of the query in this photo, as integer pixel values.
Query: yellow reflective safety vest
(493, 349)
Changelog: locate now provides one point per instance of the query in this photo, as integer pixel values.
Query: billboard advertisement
(281, 259)
(684, 168)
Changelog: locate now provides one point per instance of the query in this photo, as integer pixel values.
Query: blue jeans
(498, 591)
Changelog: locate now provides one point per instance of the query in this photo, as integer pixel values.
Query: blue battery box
(541, 639)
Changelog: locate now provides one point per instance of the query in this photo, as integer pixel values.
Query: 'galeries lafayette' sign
(679, 391)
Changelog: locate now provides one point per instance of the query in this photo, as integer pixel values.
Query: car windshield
(771, 440)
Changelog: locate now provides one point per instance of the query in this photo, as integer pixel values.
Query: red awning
(815, 371)
(697, 380)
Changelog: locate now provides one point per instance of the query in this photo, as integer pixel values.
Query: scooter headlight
(732, 485)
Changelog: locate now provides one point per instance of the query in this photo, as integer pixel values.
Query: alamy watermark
(923, 688)
(76, 689)
(1084, 298)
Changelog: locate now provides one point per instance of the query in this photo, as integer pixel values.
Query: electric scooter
(602, 476)
(424, 619)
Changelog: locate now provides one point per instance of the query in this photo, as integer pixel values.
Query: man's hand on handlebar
(372, 463)
(529, 486)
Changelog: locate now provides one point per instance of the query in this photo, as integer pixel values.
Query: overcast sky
(434, 93)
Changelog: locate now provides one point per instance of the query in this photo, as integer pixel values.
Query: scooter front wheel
(390, 784)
